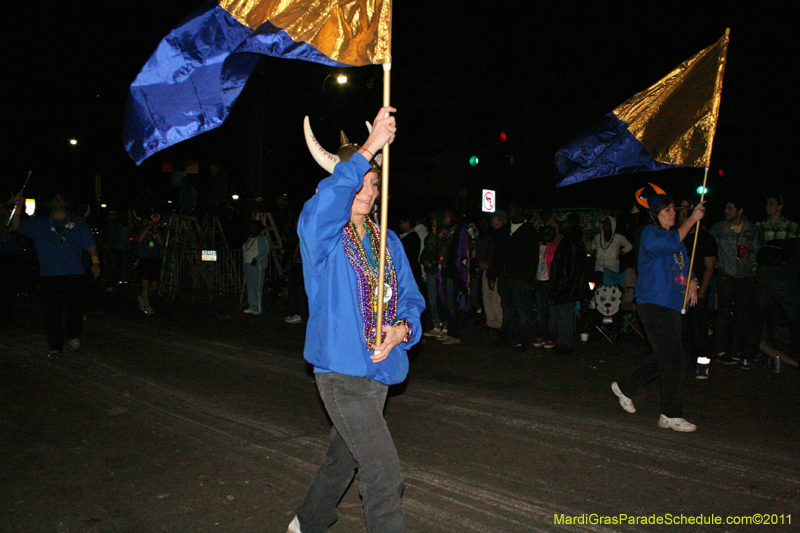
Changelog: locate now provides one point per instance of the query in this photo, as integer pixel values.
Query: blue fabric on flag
(190, 83)
(605, 149)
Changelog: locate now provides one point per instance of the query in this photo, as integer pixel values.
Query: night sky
(461, 75)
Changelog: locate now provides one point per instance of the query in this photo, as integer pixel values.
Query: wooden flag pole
(694, 246)
(387, 78)
(705, 177)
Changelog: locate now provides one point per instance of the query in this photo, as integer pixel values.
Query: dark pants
(779, 301)
(63, 293)
(10, 282)
(517, 313)
(455, 316)
(562, 322)
(542, 291)
(359, 440)
(696, 330)
(736, 328)
(663, 329)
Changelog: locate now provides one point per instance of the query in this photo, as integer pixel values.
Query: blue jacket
(659, 279)
(334, 334)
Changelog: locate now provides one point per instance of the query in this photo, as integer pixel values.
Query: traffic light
(473, 161)
(702, 190)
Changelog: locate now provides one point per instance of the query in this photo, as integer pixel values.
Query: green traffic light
(702, 190)
(473, 160)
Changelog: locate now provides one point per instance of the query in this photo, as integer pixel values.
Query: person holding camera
(148, 262)
(255, 259)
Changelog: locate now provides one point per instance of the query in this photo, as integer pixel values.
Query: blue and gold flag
(190, 83)
(670, 124)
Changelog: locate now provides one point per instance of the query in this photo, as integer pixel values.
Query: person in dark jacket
(429, 259)
(568, 282)
(514, 271)
(453, 276)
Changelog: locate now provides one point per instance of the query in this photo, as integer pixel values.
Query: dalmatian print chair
(606, 300)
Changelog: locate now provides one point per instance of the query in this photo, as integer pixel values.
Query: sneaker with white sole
(677, 424)
(442, 334)
(549, 345)
(434, 332)
(450, 340)
(294, 526)
(624, 401)
(538, 343)
(293, 319)
(141, 303)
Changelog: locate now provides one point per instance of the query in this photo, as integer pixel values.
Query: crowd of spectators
(527, 275)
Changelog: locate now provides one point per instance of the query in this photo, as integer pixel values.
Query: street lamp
(73, 142)
(342, 79)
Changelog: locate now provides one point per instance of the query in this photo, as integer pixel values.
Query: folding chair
(630, 320)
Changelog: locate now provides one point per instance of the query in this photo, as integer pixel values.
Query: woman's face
(666, 217)
(365, 199)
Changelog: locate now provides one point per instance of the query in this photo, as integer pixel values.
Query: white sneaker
(294, 319)
(678, 424)
(247, 311)
(624, 401)
(294, 526)
(75, 344)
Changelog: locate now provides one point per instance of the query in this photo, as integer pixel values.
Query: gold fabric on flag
(676, 118)
(355, 32)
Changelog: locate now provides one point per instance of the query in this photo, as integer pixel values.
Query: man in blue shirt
(60, 239)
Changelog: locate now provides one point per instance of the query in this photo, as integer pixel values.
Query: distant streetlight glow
(73, 142)
(235, 196)
(342, 79)
(103, 205)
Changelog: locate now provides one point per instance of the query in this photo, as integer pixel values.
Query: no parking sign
(488, 201)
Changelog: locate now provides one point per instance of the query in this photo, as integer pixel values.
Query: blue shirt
(659, 279)
(59, 244)
(334, 334)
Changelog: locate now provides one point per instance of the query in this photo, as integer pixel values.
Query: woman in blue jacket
(339, 243)
(663, 279)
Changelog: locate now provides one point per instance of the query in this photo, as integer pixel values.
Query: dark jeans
(778, 300)
(455, 316)
(359, 440)
(736, 328)
(562, 322)
(542, 291)
(63, 293)
(517, 313)
(663, 329)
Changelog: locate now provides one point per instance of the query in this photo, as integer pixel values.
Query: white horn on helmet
(324, 158)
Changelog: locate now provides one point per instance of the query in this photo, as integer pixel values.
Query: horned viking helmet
(328, 160)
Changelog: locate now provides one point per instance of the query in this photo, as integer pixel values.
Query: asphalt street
(202, 419)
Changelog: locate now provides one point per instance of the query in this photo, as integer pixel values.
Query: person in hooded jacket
(608, 246)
